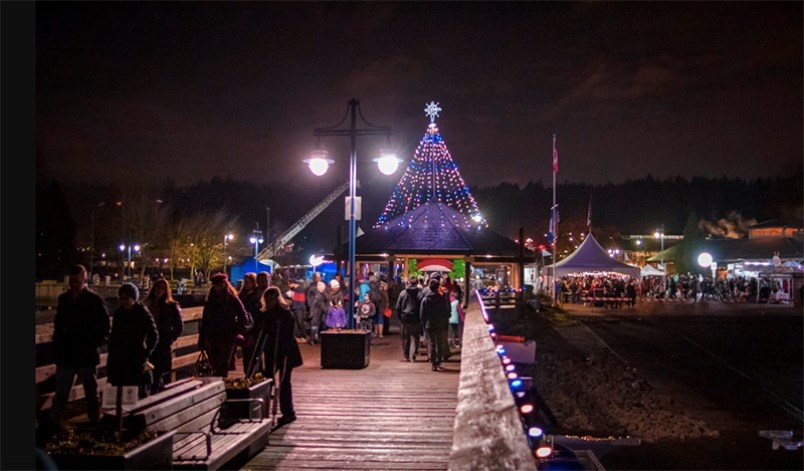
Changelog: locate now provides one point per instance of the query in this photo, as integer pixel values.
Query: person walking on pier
(80, 328)
(134, 337)
(223, 324)
(407, 310)
(282, 352)
(434, 312)
(167, 315)
(251, 297)
(317, 306)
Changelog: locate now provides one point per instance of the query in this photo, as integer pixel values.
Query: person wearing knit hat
(130, 290)
(133, 339)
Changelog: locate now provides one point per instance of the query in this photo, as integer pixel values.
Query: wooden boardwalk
(390, 415)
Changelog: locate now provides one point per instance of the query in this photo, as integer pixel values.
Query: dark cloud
(201, 89)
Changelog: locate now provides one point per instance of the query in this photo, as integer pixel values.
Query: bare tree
(199, 239)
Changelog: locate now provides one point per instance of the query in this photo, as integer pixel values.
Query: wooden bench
(207, 435)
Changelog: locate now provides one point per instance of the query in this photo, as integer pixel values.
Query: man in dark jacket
(407, 309)
(316, 306)
(434, 312)
(80, 327)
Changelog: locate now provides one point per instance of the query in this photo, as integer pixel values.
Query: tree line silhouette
(73, 218)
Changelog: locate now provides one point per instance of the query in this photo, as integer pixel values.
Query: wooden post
(119, 407)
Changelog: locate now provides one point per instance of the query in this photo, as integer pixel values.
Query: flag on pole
(550, 231)
(555, 160)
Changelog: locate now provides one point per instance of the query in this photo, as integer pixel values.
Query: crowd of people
(591, 288)
(682, 287)
(263, 322)
(139, 335)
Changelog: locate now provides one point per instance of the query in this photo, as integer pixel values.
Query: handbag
(203, 367)
(386, 312)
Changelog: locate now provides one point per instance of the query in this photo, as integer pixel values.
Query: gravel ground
(595, 394)
(591, 396)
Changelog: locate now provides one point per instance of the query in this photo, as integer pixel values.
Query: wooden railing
(488, 431)
(186, 343)
(502, 299)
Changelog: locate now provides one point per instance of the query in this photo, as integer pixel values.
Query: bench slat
(227, 447)
(192, 418)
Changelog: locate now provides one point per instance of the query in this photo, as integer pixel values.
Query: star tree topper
(432, 110)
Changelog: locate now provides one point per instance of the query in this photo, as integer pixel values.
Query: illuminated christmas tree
(431, 176)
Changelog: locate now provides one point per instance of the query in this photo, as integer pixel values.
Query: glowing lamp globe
(318, 162)
(705, 260)
(388, 163)
(534, 432)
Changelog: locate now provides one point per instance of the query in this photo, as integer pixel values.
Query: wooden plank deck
(390, 415)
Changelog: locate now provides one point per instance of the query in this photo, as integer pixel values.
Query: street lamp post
(226, 240)
(256, 239)
(659, 234)
(127, 248)
(319, 163)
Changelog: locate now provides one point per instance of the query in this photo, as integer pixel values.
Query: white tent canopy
(590, 257)
(648, 270)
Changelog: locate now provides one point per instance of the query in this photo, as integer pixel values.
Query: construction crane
(273, 247)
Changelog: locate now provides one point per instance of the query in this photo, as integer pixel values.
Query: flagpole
(555, 222)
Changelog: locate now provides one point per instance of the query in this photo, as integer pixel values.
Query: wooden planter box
(249, 410)
(347, 349)
(155, 454)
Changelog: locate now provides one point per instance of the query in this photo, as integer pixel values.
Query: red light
(543, 452)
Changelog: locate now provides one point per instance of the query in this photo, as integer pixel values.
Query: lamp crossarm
(323, 132)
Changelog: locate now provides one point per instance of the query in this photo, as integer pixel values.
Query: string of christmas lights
(431, 175)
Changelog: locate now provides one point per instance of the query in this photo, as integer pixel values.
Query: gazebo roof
(435, 228)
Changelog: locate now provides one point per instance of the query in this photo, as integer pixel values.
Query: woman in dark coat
(167, 315)
(133, 338)
(251, 297)
(282, 352)
(223, 324)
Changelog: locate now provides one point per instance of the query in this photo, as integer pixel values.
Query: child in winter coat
(336, 316)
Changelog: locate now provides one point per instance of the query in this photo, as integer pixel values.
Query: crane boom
(293, 230)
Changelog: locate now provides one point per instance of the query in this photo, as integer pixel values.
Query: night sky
(138, 92)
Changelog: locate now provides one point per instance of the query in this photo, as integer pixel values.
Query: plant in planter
(112, 447)
(254, 387)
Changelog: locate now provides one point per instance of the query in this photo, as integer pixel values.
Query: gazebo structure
(435, 237)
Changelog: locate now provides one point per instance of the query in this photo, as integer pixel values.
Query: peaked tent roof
(649, 270)
(590, 257)
(435, 228)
